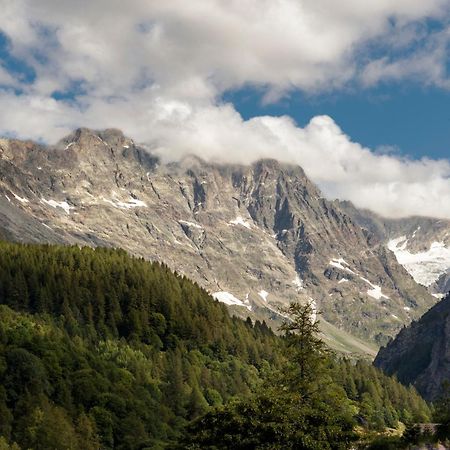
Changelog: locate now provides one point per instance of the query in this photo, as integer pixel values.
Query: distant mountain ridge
(255, 236)
(421, 245)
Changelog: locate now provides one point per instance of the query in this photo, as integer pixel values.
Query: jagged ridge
(258, 236)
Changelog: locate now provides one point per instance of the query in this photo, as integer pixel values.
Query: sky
(413, 121)
(357, 93)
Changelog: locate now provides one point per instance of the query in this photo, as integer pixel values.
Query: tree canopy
(102, 350)
(312, 402)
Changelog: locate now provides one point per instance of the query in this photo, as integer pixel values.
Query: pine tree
(306, 353)
(297, 408)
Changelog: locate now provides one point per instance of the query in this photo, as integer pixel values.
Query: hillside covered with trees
(102, 350)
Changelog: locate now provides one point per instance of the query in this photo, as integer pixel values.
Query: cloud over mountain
(158, 71)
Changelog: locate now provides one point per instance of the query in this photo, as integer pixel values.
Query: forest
(99, 349)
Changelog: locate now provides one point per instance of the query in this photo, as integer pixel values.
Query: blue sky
(410, 119)
(357, 93)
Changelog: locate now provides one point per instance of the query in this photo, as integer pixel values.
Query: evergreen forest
(101, 350)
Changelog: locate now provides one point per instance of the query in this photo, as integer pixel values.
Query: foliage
(311, 403)
(116, 353)
(385, 443)
(102, 350)
(442, 413)
(381, 400)
(271, 420)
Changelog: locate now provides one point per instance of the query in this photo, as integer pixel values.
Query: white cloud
(192, 47)
(427, 64)
(157, 70)
(343, 169)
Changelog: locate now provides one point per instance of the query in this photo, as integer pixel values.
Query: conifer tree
(306, 353)
(297, 408)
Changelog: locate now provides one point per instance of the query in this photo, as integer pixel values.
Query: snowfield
(425, 267)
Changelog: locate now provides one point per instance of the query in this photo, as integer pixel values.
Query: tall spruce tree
(298, 407)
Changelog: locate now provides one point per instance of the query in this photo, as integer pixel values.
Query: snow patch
(69, 145)
(314, 309)
(21, 199)
(130, 203)
(229, 299)
(343, 280)
(54, 204)
(240, 221)
(298, 283)
(407, 308)
(101, 140)
(191, 224)
(375, 292)
(263, 294)
(340, 263)
(7, 198)
(425, 267)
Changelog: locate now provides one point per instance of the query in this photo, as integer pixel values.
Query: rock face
(420, 354)
(255, 236)
(442, 285)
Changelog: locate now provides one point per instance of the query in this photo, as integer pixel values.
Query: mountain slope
(256, 236)
(112, 351)
(101, 350)
(420, 244)
(420, 354)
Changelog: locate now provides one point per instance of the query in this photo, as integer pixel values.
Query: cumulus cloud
(389, 185)
(158, 70)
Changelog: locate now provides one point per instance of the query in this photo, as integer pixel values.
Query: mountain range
(256, 237)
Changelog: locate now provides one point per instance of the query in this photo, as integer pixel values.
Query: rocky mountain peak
(261, 235)
(266, 167)
(88, 144)
(86, 137)
(100, 152)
